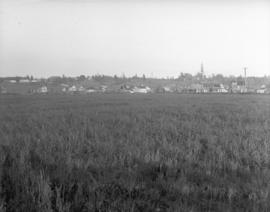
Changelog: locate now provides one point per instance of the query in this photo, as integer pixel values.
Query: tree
(187, 77)
(199, 76)
(219, 78)
(135, 76)
(82, 77)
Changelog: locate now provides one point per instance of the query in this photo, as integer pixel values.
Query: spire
(202, 69)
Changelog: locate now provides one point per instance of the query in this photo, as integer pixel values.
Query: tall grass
(122, 152)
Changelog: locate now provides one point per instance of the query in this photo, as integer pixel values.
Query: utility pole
(245, 72)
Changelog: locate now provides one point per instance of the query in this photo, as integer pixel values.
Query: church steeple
(202, 69)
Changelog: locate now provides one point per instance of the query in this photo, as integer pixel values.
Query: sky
(157, 38)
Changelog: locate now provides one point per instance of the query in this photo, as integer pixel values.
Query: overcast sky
(154, 37)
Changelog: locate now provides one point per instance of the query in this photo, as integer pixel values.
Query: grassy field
(120, 152)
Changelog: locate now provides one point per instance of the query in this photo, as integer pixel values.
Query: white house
(261, 90)
(42, 89)
(24, 81)
(72, 88)
(222, 89)
(64, 87)
(91, 90)
(3, 89)
(81, 89)
(167, 89)
(142, 89)
(104, 88)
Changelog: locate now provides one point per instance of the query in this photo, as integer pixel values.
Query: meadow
(129, 152)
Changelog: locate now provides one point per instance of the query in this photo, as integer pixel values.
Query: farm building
(112, 88)
(214, 88)
(220, 88)
(160, 89)
(188, 90)
(194, 88)
(263, 90)
(19, 88)
(24, 81)
(127, 88)
(239, 86)
(141, 89)
(72, 89)
(81, 89)
(168, 89)
(56, 88)
(88, 86)
(91, 90)
(42, 89)
(3, 90)
(64, 87)
(199, 88)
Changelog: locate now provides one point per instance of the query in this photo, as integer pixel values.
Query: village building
(24, 81)
(160, 89)
(239, 86)
(141, 89)
(3, 90)
(19, 88)
(64, 87)
(91, 90)
(168, 89)
(56, 88)
(81, 89)
(221, 88)
(72, 89)
(197, 88)
(216, 88)
(127, 88)
(104, 88)
(42, 89)
(188, 90)
(263, 90)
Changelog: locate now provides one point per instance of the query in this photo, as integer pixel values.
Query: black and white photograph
(134, 105)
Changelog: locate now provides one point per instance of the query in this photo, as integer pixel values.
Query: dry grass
(122, 152)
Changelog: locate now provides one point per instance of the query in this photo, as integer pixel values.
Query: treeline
(183, 77)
